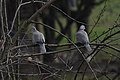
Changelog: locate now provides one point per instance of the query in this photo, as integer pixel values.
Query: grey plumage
(38, 38)
(82, 37)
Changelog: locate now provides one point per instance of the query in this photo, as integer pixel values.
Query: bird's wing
(38, 38)
(82, 37)
(42, 48)
(42, 38)
(35, 37)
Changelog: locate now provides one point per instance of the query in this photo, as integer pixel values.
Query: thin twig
(37, 54)
(115, 26)
(2, 22)
(26, 23)
(99, 17)
(69, 41)
(41, 9)
(66, 44)
(5, 12)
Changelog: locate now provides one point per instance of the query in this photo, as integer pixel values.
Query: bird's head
(33, 29)
(82, 27)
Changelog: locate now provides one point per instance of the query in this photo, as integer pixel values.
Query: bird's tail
(88, 51)
(87, 46)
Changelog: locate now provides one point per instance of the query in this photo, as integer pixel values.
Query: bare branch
(99, 17)
(13, 22)
(41, 9)
(26, 23)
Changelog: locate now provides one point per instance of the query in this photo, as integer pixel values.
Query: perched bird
(82, 37)
(38, 38)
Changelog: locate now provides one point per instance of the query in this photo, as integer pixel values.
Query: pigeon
(38, 38)
(82, 37)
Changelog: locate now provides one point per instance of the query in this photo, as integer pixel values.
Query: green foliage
(107, 19)
(110, 14)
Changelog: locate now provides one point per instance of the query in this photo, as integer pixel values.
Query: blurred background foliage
(99, 16)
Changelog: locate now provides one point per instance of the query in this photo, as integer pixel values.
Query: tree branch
(26, 23)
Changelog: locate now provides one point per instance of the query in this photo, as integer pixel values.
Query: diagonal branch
(71, 43)
(26, 23)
